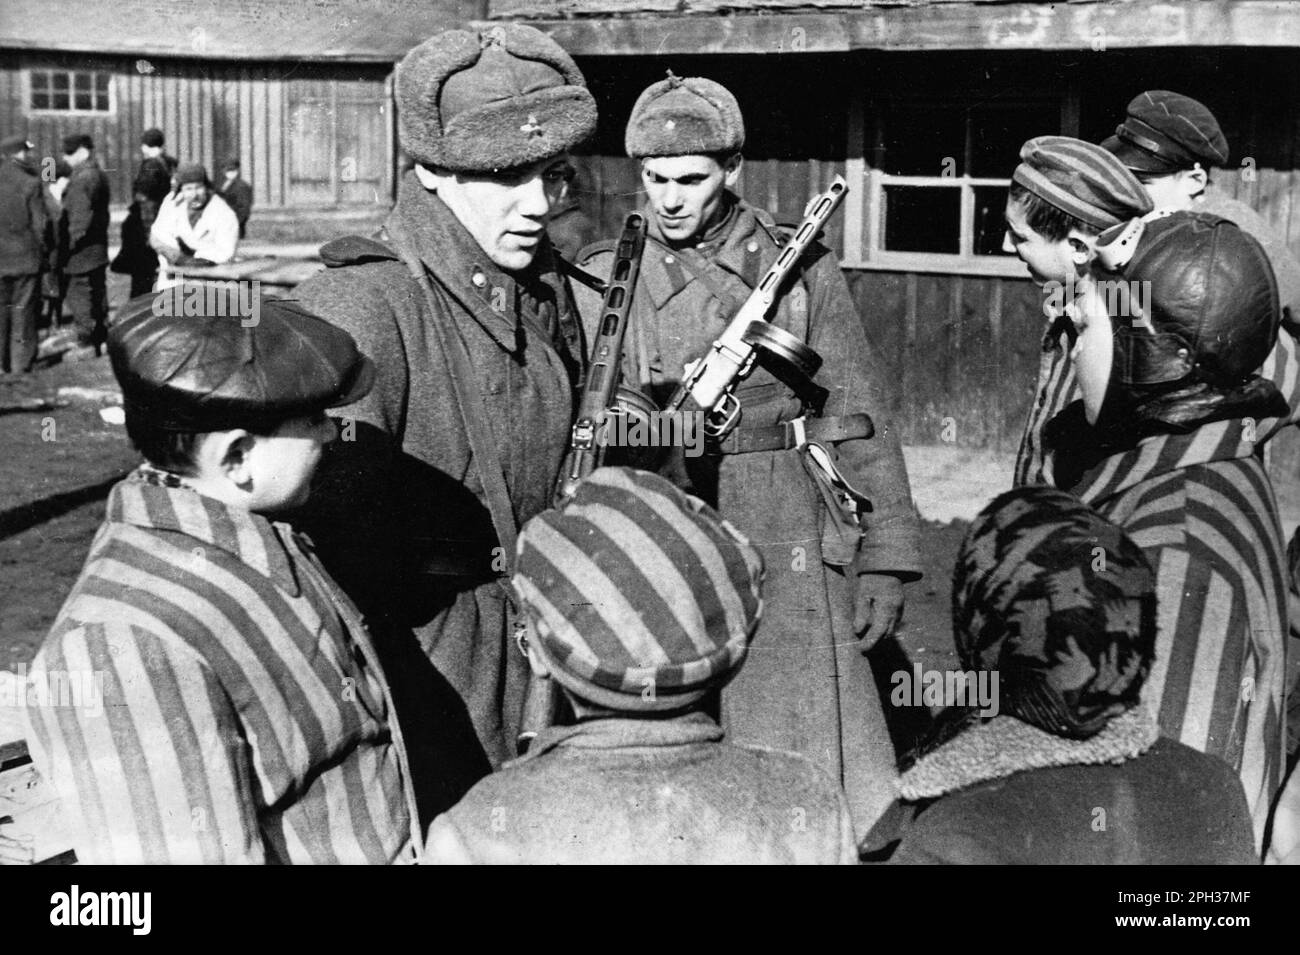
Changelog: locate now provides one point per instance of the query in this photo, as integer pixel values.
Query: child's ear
(1083, 247)
(231, 453)
(1194, 180)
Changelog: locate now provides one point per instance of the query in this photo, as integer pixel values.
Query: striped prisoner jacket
(1202, 508)
(245, 717)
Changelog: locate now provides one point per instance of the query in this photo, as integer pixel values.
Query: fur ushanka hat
(480, 102)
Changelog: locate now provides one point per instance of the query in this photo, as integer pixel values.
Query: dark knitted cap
(74, 141)
(191, 172)
(684, 117)
(152, 137)
(485, 101)
(1164, 132)
(1061, 603)
(640, 596)
(187, 361)
(1082, 180)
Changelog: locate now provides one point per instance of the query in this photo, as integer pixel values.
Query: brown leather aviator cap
(1213, 304)
(191, 360)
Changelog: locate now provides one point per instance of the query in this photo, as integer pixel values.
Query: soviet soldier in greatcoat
(476, 340)
(808, 687)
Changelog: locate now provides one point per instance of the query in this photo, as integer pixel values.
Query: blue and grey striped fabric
(639, 595)
(1211, 532)
(1082, 180)
(1217, 441)
(245, 717)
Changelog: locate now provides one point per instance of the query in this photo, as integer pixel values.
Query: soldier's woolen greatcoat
(807, 686)
(400, 513)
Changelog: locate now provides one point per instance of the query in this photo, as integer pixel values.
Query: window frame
(864, 225)
(965, 261)
(71, 73)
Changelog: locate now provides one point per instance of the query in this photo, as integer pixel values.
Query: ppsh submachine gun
(749, 341)
(603, 393)
(603, 396)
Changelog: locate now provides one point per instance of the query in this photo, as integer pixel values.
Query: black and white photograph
(650, 432)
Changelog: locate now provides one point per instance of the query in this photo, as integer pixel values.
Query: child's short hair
(173, 451)
(1044, 218)
(176, 451)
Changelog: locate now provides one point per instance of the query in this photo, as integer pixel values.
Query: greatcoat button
(479, 279)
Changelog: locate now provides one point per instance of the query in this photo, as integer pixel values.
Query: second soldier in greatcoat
(808, 686)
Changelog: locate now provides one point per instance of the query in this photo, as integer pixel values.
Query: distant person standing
(54, 284)
(237, 193)
(195, 226)
(152, 184)
(85, 206)
(23, 244)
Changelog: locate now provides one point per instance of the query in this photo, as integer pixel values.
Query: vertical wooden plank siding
(855, 173)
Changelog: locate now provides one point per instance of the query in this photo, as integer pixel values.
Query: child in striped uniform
(1145, 446)
(244, 714)
(641, 603)
(1063, 194)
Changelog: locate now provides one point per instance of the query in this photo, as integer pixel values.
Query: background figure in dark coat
(1053, 759)
(237, 193)
(153, 182)
(24, 237)
(85, 206)
(54, 284)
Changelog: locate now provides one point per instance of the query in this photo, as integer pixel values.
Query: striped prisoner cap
(1081, 179)
(640, 596)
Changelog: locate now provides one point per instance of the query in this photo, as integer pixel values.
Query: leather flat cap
(1164, 132)
(199, 359)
